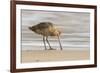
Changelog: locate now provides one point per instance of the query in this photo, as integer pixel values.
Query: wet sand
(54, 55)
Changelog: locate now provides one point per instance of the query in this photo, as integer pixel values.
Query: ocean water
(75, 28)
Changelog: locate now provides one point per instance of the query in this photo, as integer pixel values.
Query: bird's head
(57, 32)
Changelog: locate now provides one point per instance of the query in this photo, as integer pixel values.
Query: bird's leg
(44, 43)
(48, 43)
(60, 42)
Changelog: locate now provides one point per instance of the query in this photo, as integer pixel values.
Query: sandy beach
(54, 55)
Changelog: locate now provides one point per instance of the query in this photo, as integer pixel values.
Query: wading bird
(46, 29)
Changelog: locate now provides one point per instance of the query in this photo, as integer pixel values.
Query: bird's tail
(33, 28)
(30, 28)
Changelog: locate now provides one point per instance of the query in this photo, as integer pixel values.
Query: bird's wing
(44, 25)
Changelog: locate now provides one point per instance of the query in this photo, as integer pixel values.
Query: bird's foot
(61, 49)
(51, 49)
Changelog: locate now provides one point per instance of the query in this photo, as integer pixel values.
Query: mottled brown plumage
(46, 29)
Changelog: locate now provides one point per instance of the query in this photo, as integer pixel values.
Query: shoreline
(54, 55)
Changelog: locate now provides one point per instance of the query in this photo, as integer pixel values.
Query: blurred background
(75, 28)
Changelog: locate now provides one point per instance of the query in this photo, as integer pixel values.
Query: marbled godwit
(46, 29)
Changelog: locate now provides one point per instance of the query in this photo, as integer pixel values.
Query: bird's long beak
(60, 42)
